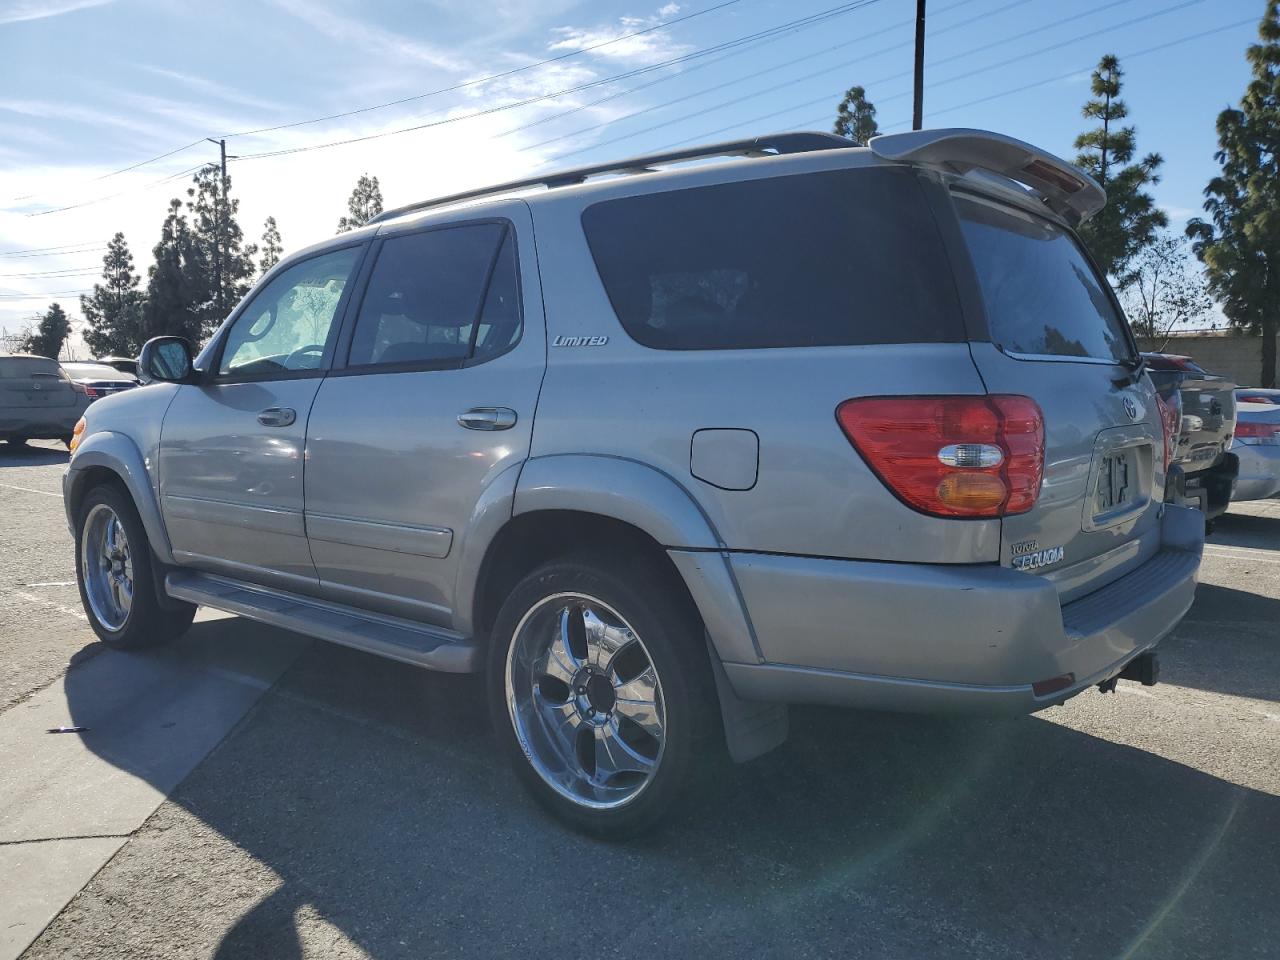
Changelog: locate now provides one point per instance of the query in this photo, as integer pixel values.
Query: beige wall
(1227, 354)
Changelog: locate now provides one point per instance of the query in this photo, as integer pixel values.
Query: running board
(404, 640)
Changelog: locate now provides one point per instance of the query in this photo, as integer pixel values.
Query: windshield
(1043, 297)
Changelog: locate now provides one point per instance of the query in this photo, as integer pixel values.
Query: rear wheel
(602, 695)
(115, 575)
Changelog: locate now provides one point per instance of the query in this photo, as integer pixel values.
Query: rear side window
(438, 298)
(12, 368)
(1043, 298)
(821, 259)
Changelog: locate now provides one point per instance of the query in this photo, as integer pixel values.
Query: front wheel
(602, 694)
(115, 575)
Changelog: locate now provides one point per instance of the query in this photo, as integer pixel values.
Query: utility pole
(220, 227)
(917, 110)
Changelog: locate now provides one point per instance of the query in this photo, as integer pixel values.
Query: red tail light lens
(93, 393)
(1252, 432)
(952, 456)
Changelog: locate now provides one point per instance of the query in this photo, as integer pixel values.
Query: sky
(89, 88)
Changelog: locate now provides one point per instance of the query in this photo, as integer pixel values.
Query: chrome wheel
(107, 567)
(585, 700)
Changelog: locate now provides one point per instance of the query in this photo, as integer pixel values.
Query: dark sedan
(99, 380)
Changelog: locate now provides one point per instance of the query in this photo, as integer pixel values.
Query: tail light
(952, 456)
(1252, 432)
(1171, 422)
(93, 393)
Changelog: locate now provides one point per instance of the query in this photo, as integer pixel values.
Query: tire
(142, 621)
(606, 770)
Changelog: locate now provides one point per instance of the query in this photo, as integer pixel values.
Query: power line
(146, 186)
(995, 96)
(706, 51)
(50, 273)
(831, 97)
(42, 296)
(801, 22)
(53, 251)
(420, 96)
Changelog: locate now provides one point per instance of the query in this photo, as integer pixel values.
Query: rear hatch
(1056, 335)
(33, 383)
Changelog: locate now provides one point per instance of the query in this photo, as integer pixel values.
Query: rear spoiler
(1066, 189)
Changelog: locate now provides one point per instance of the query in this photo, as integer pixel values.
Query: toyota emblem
(1131, 408)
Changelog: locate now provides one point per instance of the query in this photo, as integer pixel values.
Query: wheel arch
(106, 457)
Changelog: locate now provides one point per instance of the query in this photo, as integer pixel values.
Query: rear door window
(1043, 297)
(823, 259)
(438, 297)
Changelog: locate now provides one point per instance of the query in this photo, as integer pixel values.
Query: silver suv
(663, 446)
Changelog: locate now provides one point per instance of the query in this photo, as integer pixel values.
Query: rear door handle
(488, 418)
(277, 416)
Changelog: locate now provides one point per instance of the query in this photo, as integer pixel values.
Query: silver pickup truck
(664, 446)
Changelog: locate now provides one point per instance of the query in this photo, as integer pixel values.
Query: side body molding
(119, 454)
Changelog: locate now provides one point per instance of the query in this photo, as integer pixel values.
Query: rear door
(1057, 336)
(433, 402)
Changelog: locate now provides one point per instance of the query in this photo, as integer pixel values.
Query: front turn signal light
(76, 435)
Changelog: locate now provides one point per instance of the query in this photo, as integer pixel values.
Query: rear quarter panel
(812, 493)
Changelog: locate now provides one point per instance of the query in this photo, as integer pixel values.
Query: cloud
(372, 39)
(647, 48)
(211, 88)
(17, 11)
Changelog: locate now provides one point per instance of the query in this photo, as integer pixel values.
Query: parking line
(44, 493)
(36, 598)
(1236, 553)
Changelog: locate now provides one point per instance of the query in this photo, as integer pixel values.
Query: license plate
(1115, 482)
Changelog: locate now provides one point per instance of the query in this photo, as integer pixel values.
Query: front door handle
(488, 418)
(277, 416)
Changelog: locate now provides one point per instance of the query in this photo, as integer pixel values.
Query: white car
(1257, 444)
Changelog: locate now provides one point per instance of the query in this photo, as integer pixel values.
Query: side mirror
(166, 359)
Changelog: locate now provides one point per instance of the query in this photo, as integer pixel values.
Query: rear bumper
(51, 424)
(935, 638)
(1259, 476)
(1210, 490)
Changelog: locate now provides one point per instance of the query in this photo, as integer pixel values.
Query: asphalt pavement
(251, 793)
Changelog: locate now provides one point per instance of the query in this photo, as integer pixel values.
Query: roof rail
(774, 145)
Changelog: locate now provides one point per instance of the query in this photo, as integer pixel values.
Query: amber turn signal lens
(972, 491)
(76, 434)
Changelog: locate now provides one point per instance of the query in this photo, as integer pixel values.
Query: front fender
(119, 454)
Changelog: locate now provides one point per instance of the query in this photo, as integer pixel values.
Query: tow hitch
(1144, 668)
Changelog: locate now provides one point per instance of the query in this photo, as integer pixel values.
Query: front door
(231, 448)
(434, 401)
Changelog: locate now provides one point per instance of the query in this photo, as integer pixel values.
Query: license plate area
(1120, 480)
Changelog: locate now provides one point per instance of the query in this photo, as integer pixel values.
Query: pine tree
(364, 204)
(218, 238)
(114, 311)
(1131, 218)
(177, 283)
(271, 246)
(1239, 244)
(856, 117)
(51, 333)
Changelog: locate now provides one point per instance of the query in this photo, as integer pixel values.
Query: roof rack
(774, 145)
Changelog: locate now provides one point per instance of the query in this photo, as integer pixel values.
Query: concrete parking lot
(250, 793)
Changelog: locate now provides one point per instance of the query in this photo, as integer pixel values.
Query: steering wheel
(316, 348)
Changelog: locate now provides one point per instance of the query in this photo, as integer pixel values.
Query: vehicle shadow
(1246, 530)
(363, 806)
(32, 455)
(1229, 642)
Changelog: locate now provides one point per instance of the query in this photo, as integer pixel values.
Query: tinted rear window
(1042, 296)
(23, 367)
(822, 259)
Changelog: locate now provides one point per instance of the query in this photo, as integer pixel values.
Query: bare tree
(1166, 288)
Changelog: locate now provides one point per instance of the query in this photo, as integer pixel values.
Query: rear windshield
(1042, 296)
(22, 367)
(822, 259)
(99, 371)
